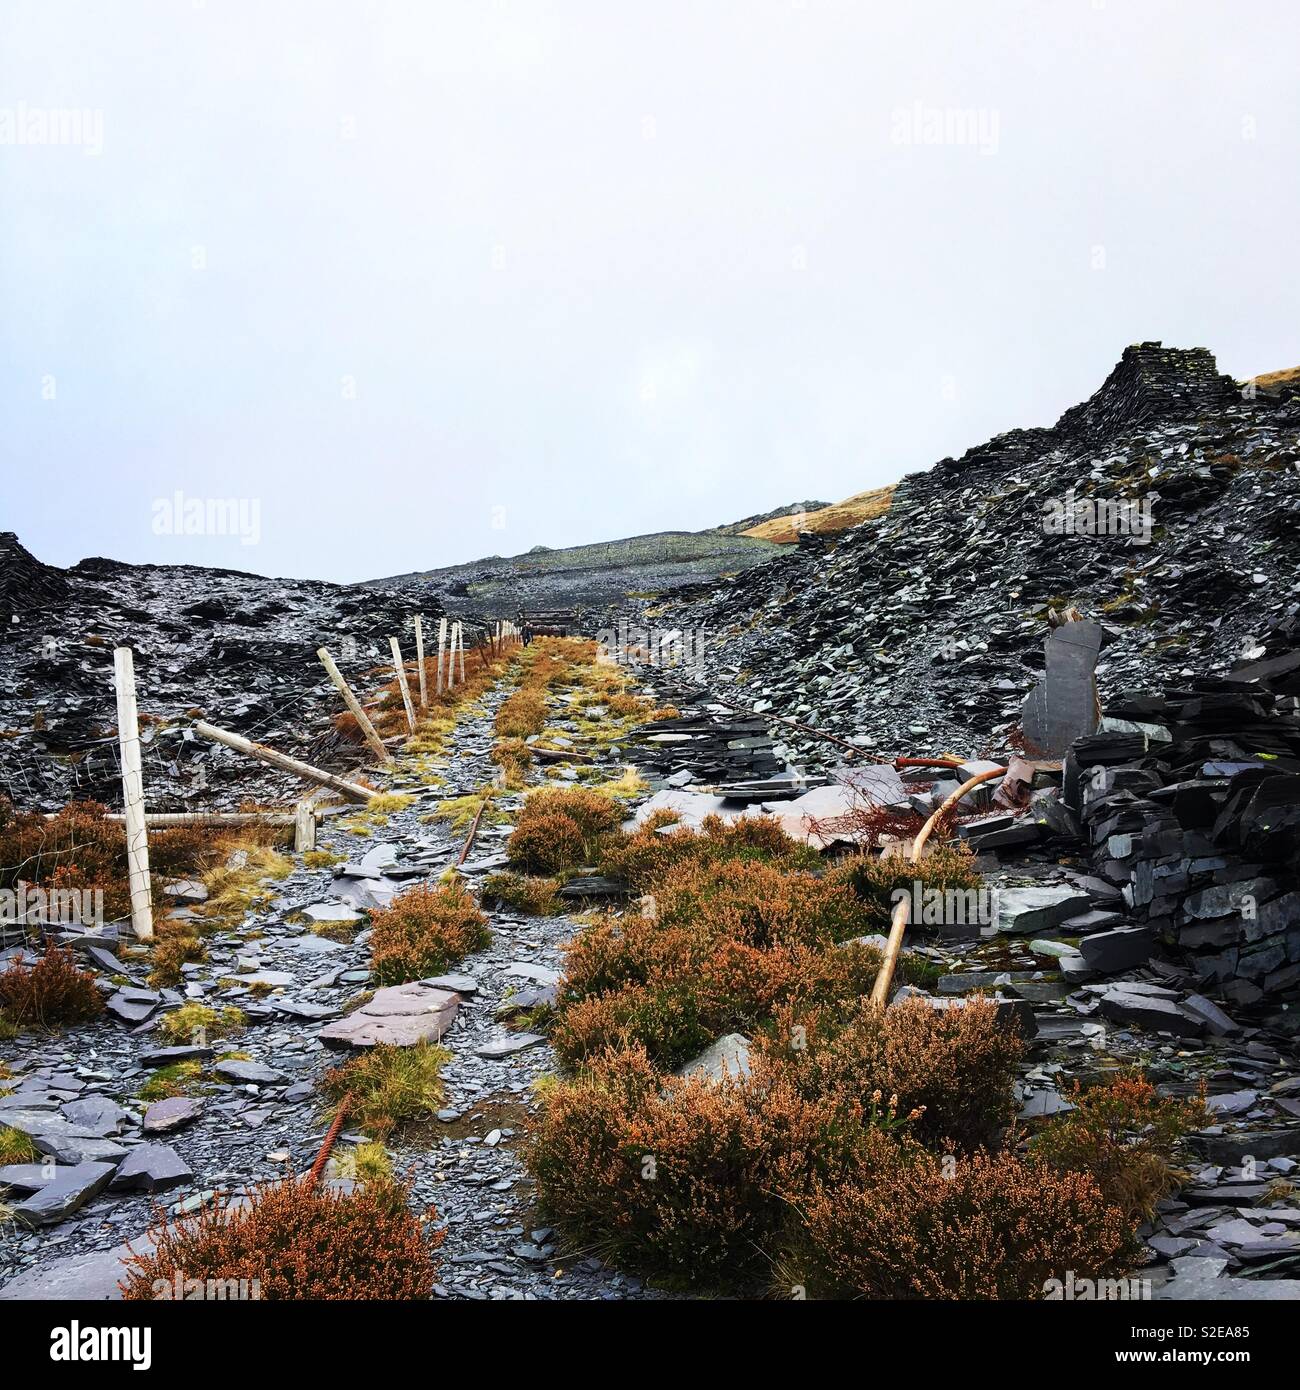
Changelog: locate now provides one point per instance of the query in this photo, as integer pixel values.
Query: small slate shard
(508, 1046)
(151, 1168)
(169, 1056)
(249, 1073)
(1036, 910)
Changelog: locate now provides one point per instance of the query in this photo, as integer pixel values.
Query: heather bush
(424, 931)
(956, 1066)
(522, 714)
(643, 856)
(50, 992)
(1122, 1134)
(986, 1227)
(297, 1243)
(592, 812)
(873, 879)
(682, 1177)
(548, 844)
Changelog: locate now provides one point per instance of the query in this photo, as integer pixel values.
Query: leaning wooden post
(354, 705)
(460, 637)
(442, 648)
(401, 683)
(353, 790)
(419, 662)
(137, 835)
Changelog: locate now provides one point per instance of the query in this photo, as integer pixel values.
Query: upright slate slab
(1063, 705)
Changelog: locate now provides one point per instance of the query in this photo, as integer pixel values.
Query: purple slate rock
(151, 1168)
(163, 1116)
(402, 1015)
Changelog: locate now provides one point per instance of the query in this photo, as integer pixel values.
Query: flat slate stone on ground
(728, 1058)
(70, 1188)
(249, 1073)
(163, 1116)
(151, 1168)
(402, 1015)
(1035, 910)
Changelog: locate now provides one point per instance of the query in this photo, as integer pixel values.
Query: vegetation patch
(194, 1019)
(16, 1147)
(424, 931)
(535, 897)
(296, 1243)
(51, 992)
(389, 1086)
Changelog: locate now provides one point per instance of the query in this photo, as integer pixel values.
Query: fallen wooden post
(137, 834)
(400, 668)
(419, 662)
(352, 790)
(375, 743)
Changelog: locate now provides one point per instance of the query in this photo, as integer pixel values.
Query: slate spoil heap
(238, 647)
(1194, 811)
(922, 627)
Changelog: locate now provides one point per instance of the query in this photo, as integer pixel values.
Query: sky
(344, 290)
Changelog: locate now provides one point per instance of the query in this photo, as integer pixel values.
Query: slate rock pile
(238, 647)
(921, 630)
(1194, 810)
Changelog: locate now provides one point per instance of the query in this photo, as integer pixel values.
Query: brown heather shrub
(52, 991)
(424, 931)
(682, 1177)
(521, 714)
(644, 856)
(994, 1228)
(1123, 1135)
(535, 897)
(624, 706)
(958, 1066)
(298, 1244)
(547, 845)
(174, 944)
(592, 812)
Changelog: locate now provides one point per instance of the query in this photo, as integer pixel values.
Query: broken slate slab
(70, 1188)
(726, 1059)
(169, 1056)
(1109, 952)
(400, 1015)
(1021, 911)
(508, 1046)
(92, 1276)
(249, 1073)
(1148, 1011)
(97, 1114)
(151, 1168)
(457, 984)
(133, 1005)
(163, 1116)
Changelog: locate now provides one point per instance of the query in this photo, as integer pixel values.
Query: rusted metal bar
(898, 923)
(327, 1144)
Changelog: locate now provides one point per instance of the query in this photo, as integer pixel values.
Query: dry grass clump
(389, 1086)
(988, 1227)
(175, 943)
(178, 1079)
(192, 1019)
(51, 992)
(1123, 1134)
(535, 897)
(424, 931)
(16, 1147)
(297, 1243)
(523, 713)
(514, 758)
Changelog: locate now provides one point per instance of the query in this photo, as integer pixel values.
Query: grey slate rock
(249, 1073)
(152, 1168)
(70, 1188)
(163, 1116)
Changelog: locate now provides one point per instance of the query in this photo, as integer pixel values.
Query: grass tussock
(424, 931)
(178, 1079)
(16, 1147)
(194, 1019)
(389, 1086)
(297, 1243)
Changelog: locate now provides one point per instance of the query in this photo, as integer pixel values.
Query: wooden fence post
(460, 637)
(137, 834)
(401, 683)
(419, 662)
(353, 790)
(354, 705)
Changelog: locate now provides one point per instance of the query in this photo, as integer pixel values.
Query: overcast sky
(420, 282)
